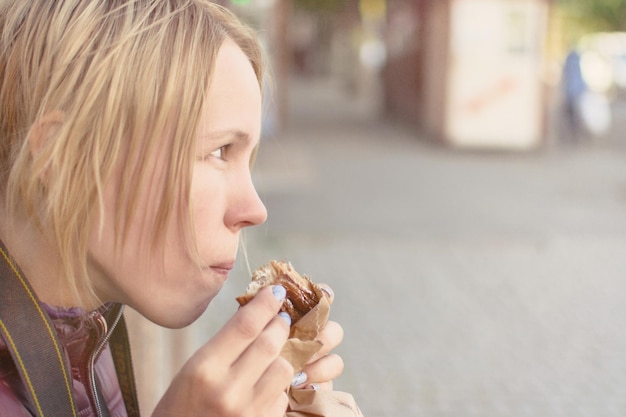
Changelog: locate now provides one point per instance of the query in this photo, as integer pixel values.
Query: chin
(176, 316)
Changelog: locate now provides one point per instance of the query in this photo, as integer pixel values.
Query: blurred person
(574, 87)
(127, 133)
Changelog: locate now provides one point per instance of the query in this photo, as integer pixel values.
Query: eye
(219, 152)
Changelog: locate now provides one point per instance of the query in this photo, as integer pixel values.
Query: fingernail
(286, 317)
(328, 291)
(279, 292)
(314, 387)
(299, 379)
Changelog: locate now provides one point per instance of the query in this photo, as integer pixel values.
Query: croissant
(302, 293)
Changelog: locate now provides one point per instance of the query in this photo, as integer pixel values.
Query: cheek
(207, 200)
(118, 242)
(115, 241)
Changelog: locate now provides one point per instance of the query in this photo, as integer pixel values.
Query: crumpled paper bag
(312, 403)
(298, 350)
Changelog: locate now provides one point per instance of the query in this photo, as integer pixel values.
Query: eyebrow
(240, 135)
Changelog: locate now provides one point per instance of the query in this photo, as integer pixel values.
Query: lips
(222, 268)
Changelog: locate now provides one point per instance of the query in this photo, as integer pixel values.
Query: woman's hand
(239, 372)
(324, 367)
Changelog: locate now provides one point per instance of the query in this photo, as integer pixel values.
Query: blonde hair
(121, 72)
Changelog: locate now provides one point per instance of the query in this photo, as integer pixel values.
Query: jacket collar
(80, 331)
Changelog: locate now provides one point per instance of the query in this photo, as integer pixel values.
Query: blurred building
(469, 72)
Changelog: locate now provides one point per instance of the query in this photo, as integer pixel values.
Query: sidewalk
(468, 284)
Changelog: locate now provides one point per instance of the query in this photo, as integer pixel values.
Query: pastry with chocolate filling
(302, 293)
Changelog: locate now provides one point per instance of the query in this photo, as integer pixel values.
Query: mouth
(222, 268)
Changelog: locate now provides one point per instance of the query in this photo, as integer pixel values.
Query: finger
(272, 386)
(331, 337)
(279, 407)
(328, 292)
(247, 324)
(324, 369)
(275, 379)
(322, 386)
(263, 351)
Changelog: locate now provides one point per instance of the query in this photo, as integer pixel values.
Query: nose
(258, 211)
(247, 208)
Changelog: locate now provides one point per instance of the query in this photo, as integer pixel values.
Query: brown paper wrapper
(312, 403)
(298, 350)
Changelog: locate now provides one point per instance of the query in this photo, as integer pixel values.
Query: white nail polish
(328, 291)
(299, 379)
(286, 317)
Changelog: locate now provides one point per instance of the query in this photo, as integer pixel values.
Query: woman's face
(172, 291)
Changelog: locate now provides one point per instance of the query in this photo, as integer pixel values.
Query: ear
(41, 132)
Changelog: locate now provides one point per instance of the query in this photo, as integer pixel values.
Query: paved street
(468, 283)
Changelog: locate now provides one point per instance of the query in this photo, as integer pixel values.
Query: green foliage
(597, 15)
(320, 6)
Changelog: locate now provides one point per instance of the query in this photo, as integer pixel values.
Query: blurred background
(456, 171)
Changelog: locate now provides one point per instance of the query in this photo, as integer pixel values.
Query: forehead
(233, 101)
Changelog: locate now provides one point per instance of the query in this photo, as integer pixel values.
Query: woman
(127, 133)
